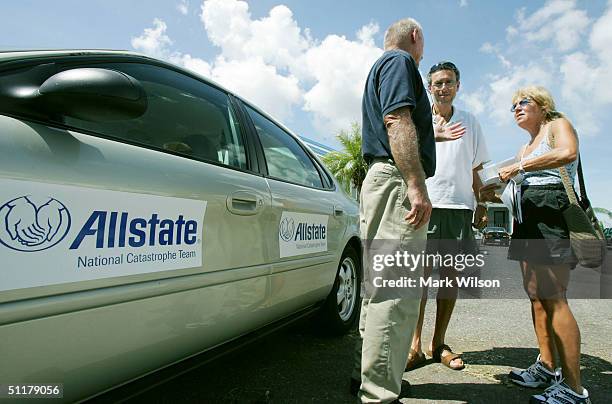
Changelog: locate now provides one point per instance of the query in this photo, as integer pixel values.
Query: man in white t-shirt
(453, 190)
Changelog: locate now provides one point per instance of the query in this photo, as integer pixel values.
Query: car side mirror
(93, 94)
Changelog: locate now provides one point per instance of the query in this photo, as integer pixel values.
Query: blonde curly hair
(542, 98)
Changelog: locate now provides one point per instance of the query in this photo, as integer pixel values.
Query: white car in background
(148, 215)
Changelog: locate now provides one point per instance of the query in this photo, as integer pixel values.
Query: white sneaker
(536, 375)
(561, 393)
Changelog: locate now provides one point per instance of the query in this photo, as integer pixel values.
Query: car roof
(7, 55)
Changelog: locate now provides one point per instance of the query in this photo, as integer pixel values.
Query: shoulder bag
(586, 236)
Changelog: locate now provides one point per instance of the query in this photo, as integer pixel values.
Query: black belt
(544, 187)
(385, 159)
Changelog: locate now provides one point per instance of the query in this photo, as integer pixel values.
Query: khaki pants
(386, 325)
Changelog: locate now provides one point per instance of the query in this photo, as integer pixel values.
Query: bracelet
(483, 204)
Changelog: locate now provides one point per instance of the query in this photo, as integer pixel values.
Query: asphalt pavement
(300, 364)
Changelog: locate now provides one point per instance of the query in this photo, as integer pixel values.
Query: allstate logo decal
(287, 229)
(31, 224)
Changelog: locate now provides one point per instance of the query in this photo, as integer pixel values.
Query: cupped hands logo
(287, 229)
(33, 224)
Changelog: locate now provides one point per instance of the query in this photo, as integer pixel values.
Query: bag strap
(567, 183)
(584, 199)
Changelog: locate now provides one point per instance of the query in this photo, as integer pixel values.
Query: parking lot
(299, 364)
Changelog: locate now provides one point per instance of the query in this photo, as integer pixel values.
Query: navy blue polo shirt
(394, 82)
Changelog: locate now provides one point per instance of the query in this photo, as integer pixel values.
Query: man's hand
(420, 206)
(444, 133)
(480, 217)
(487, 193)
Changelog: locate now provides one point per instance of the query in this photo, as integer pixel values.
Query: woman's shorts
(543, 237)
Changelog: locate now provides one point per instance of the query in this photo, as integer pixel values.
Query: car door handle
(338, 211)
(244, 203)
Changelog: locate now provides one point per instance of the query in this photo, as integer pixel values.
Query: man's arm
(480, 214)
(404, 144)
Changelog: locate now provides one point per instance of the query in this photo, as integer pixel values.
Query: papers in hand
(490, 171)
(511, 195)
(511, 198)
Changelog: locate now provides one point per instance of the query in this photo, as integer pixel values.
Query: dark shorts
(543, 237)
(450, 232)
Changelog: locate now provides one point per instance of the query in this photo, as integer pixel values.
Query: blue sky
(305, 62)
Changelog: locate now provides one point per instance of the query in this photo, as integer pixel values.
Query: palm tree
(348, 165)
(602, 213)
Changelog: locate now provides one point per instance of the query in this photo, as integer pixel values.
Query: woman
(540, 242)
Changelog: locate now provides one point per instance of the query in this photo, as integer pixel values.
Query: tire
(341, 308)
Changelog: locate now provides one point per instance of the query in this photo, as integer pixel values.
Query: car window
(184, 115)
(285, 158)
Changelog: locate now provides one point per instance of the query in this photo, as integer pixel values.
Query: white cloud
(197, 65)
(575, 77)
(259, 83)
(276, 64)
(329, 87)
(487, 47)
(601, 36)
(153, 41)
(463, 3)
(579, 82)
(558, 21)
(335, 99)
(586, 74)
(367, 32)
(277, 38)
(257, 57)
(228, 25)
(502, 87)
(475, 102)
(511, 32)
(183, 7)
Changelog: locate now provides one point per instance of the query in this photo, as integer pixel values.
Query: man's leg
(356, 374)
(416, 344)
(390, 321)
(385, 348)
(445, 303)
(456, 236)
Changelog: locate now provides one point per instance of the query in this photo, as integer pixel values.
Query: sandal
(446, 359)
(415, 360)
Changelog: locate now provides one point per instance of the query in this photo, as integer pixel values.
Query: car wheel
(341, 308)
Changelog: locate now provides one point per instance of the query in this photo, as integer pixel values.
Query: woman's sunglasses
(521, 104)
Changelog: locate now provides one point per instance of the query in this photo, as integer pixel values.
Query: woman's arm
(564, 152)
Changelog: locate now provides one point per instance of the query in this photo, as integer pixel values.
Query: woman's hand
(506, 173)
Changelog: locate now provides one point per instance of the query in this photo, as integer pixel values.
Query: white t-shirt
(451, 186)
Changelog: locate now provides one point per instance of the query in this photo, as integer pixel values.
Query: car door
(188, 145)
(156, 231)
(309, 222)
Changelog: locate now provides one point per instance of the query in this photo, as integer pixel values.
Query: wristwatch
(521, 170)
